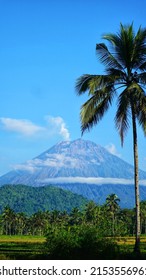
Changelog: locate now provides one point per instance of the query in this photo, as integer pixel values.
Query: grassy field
(130, 240)
(127, 245)
(22, 239)
(32, 247)
(17, 247)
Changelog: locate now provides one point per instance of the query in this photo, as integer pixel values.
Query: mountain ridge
(29, 200)
(72, 161)
(82, 167)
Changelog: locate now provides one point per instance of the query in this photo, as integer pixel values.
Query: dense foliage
(86, 233)
(108, 219)
(79, 242)
(30, 200)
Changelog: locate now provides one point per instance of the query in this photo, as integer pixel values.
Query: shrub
(79, 242)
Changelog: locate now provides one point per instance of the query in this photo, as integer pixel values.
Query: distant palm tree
(112, 201)
(125, 78)
(21, 220)
(9, 220)
(143, 216)
(75, 216)
(91, 212)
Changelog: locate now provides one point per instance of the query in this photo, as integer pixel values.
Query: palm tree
(91, 212)
(112, 201)
(9, 221)
(143, 216)
(38, 223)
(113, 206)
(126, 217)
(76, 217)
(21, 220)
(125, 78)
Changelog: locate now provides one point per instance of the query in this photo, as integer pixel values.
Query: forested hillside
(29, 200)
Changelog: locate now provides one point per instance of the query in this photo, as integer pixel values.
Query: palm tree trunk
(136, 181)
(113, 224)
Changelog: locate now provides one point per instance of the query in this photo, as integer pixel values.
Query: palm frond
(125, 66)
(142, 66)
(92, 83)
(95, 107)
(82, 83)
(142, 78)
(100, 83)
(106, 56)
(134, 89)
(129, 49)
(121, 44)
(122, 114)
(139, 50)
(117, 75)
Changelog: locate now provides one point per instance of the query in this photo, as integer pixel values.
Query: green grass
(130, 240)
(21, 247)
(17, 247)
(22, 238)
(126, 245)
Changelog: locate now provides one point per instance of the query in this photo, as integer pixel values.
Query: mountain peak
(71, 160)
(75, 147)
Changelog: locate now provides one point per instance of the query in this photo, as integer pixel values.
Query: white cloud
(142, 182)
(58, 127)
(112, 149)
(90, 180)
(21, 126)
(25, 167)
(53, 160)
(61, 160)
(55, 126)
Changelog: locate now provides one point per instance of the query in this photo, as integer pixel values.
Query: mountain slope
(75, 161)
(99, 193)
(31, 199)
(81, 167)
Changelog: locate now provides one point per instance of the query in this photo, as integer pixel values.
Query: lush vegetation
(34, 247)
(30, 200)
(15, 247)
(94, 232)
(109, 219)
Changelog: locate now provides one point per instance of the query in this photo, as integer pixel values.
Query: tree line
(108, 219)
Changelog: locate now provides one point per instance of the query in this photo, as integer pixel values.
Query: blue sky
(45, 46)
